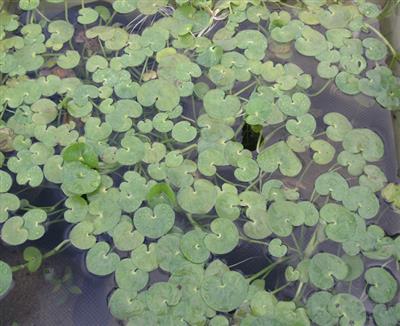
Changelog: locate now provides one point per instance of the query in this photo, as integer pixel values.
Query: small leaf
(33, 257)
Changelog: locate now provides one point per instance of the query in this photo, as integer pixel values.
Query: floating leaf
(219, 106)
(13, 232)
(383, 285)
(338, 126)
(69, 60)
(193, 247)
(129, 277)
(80, 179)
(225, 236)
(324, 152)
(5, 181)
(375, 49)
(183, 132)
(226, 292)
(197, 200)
(362, 200)
(366, 142)
(5, 277)
(81, 152)
(331, 183)
(324, 267)
(87, 15)
(33, 257)
(100, 261)
(276, 248)
(154, 223)
(279, 155)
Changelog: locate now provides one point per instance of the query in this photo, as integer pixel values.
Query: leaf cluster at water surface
(176, 132)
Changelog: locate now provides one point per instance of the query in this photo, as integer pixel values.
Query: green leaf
(33, 258)
(362, 200)
(296, 105)
(5, 181)
(331, 183)
(366, 142)
(28, 4)
(123, 304)
(193, 247)
(279, 155)
(283, 215)
(145, 258)
(219, 106)
(324, 267)
(81, 152)
(341, 223)
(324, 152)
(311, 42)
(154, 223)
(375, 49)
(87, 15)
(69, 60)
(347, 83)
(129, 277)
(276, 248)
(82, 236)
(13, 232)
(124, 6)
(161, 296)
(304, 126)
(45, 111)
(355, 265)
(161, 193)
(383, 285)
(197, 200)
(224, 238)
(32, 223)
(80, 179)
(5, 277)
(224, 292)
(184, 132)
(100, 261)
(124, 236)
(338, 126)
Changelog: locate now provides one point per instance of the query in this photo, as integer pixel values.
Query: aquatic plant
(176, 131)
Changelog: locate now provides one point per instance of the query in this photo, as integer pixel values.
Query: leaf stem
(42, 15)
(245, 88)
(267, 269)
(66, 10)
(281, 288)
(253, 241)
(321, 89)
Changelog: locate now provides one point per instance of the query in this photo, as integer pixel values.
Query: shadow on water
(34, 300)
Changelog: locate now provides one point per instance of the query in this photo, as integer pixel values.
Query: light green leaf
(100, 261)
(383, 285)
(224, 292)
(154, 223)
(225, 236)
(5, 277)
(279, 155)
(324, 267)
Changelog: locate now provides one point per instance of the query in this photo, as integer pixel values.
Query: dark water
(37, 301)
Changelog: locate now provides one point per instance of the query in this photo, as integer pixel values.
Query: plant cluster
(137, 115)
